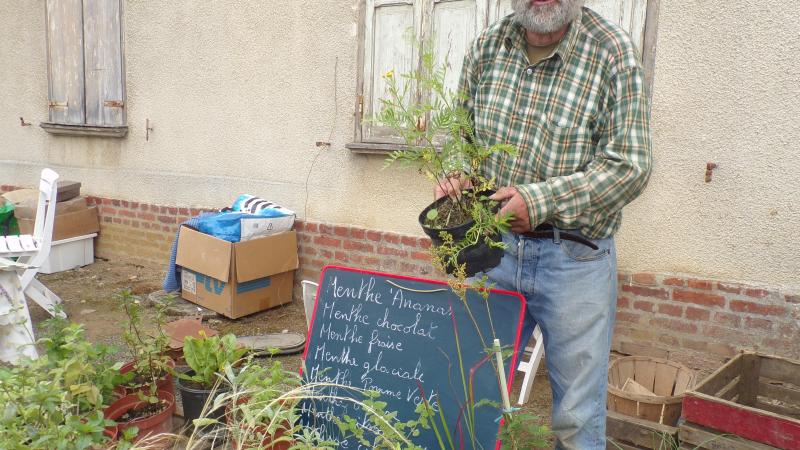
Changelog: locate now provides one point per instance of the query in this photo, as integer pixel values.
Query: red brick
(731, 320)
(700, 346)
(674, 325)
(126, 213)
(698, 298)
(627, 317)
(146, 216)
(757, 308)
(173, 210)
(674, 282)
(341, 231)
(392, 251)
(355, 258)
(756, 293)
(117, 220)
(124, 204)
(341, 256)
(646, 291)
(299, 225)
(359, 246)
(623, 278)
(374, 236)
(757, 322)
(623, 302)
(668, 340)
(643, 306)
(644, 278)
(409, 241)
(134, 205)
(325, 253)
(311, 251)
(729, 288)
(792, 298)
(421, 256)
(670, 310)
(167, 219)
(115, 202)
(424, 243)
(107, 201)
(183, 211)
(700, 284)
(357, 233)
(327, 242)
(392, 238)
(697, 314)
(311, 227)
(721, 349)
(135, 224)
(325, 229)
(192, 212)
(108, 211)
(372, 262)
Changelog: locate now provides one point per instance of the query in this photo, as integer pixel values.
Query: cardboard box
(78, 223)
(237, 279)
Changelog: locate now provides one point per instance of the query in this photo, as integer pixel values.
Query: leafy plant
(441, 144)
(208, 357)
(148, 351)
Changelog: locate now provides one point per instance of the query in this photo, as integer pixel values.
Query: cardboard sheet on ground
(413, 341)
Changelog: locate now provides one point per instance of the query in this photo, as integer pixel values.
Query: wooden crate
(666, 379)
(629, 432)
(696, 437)
(753, 396)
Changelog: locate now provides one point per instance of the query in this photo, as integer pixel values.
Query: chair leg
(16, 334)
(44, 297)
(530, 367)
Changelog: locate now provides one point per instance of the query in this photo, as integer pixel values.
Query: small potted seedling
(207, 358)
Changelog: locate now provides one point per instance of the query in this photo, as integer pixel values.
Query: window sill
(84, 130)
(374, 148)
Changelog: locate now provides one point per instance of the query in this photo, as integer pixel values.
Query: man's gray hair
(546, 18)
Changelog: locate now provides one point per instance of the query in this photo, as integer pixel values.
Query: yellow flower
(389, 74)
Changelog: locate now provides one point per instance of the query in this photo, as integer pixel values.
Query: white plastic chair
(309, 298)
(530, 366)
(32, 250)
(16, 329)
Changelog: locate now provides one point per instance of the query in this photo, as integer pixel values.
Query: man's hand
(452, 186)
(513, 203)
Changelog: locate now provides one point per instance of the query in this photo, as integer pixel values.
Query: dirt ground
(89, 293)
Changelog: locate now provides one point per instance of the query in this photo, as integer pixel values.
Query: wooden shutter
(629, 14)
(453, 25)
(499, 9)
(104, 70)
(386, 48)
(64, 20)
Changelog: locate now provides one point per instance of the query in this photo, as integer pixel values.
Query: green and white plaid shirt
(579, 120)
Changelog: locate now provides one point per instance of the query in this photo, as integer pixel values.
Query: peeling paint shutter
(105, 91)
(65, 61)
(454, 24)
(386, 48)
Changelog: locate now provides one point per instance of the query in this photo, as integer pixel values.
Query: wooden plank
(784, 392)
(777, 408)
(781, 369)
(625, 369)
(748, 385)
(633, 387)
(645, 373)
(650, 43)
(454, 25)
(104, 63)
(683, 382)
(703, 438)
(751, 423)
(616, 444)
(721, 377)
(639, 432)
(64, 24)
(731, 390)
(614, 376)
(665, 380)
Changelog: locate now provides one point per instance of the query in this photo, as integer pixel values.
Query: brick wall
(696, 321)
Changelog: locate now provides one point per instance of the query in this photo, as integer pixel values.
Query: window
(85, 68)
(452, 24)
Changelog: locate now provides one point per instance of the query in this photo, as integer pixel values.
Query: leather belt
(545, 231)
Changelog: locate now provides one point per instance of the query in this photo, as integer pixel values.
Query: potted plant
(57, 400)
(207, 357)
(149, 364)
(441, 144)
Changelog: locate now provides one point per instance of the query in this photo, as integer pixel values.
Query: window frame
(360, 146)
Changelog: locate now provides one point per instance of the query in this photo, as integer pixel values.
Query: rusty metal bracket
(114, 103)
(52, 104)
(147, 129)
(23, 123)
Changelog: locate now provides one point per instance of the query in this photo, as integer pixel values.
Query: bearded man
(565, 87)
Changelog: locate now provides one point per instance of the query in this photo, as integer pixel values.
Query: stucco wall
(239, 92)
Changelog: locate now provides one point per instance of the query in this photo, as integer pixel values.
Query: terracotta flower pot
(158, 423)
(266, 441)
(164, 384)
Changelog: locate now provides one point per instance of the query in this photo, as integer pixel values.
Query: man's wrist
(539, 202)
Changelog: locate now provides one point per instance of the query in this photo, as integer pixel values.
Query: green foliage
(148, 351)
(56, 401)
(386, 432)
(522, 431)
(209, 356)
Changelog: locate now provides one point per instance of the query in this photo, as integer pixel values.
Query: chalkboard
(397, 335)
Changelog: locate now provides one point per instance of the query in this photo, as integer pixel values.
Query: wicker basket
(654, 389)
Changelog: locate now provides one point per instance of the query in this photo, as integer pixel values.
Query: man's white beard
(546, 18)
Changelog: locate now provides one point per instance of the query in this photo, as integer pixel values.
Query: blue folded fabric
(172, 281)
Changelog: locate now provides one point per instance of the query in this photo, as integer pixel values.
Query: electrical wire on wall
(324, 145)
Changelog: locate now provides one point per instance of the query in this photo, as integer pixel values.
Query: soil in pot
(150, 419)
(164, 382)
(478, 257)
(194, 397)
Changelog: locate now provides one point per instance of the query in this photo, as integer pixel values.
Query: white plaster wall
(238, 93)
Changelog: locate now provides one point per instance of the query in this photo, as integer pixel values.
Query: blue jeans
(571, 292)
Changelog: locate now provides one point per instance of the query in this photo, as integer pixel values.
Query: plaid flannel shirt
(579, 120)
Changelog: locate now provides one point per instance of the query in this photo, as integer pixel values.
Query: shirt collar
(515, 38)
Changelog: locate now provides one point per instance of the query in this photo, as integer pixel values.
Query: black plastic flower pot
(479, 257)
(194, 400)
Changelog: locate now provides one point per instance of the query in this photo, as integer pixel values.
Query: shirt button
(529, 71)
